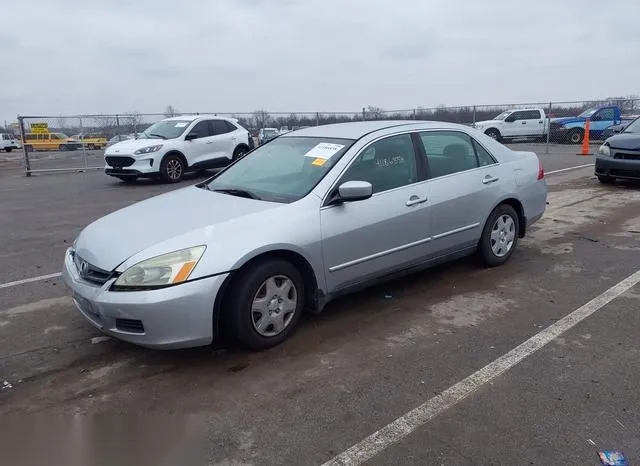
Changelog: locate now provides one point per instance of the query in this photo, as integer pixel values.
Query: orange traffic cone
(585, 139)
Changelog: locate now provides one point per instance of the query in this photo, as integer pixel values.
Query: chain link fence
(77, 143)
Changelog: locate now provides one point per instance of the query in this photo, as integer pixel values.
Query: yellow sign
(39, 128)
(319, 162)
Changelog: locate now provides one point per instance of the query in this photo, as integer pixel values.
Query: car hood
(131, 145)
(625, 141)
(488, 122)
(114, 238)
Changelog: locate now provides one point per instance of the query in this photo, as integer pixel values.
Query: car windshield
(588, 113)
(633, 127)
(284, 170)
(503, 115)
(166, 129)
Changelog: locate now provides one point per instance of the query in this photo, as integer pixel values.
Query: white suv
(172, 147)
(8, 142)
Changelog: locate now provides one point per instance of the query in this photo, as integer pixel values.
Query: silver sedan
(307, 217)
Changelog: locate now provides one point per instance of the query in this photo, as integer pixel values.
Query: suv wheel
(172, 169)
(493, 133)
(239, 153)
(265, 304)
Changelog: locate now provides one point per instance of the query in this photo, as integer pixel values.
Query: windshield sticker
(180, 124)
(319, 162)
(324, 150)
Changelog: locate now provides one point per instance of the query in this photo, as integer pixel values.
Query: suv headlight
(168, 269)
(604, 150)
(148, 149)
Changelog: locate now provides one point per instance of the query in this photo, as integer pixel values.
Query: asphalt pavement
(358, 368)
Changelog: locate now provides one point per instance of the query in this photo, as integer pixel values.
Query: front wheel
(62, 147)
(172, 169)
(264, 305)
(606, 179)
(493, 133)
(239, 153)
(9, 149)
(500, 236)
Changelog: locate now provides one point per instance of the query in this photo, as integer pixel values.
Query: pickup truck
(571, 129)
(515, 124)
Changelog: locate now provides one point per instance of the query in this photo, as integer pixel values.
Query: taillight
(540, 170)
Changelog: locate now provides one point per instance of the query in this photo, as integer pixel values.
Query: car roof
(195, 117)
(358, 129)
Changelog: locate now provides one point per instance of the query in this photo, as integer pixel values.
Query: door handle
(414, 200)
(489, 179)
(524, 122)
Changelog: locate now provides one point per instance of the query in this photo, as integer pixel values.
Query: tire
(28, 147)
(128, 179)
(172, 169)
(606, 179)
(9, 149)
(90, 147)
(247, 325)
(239, 153)
(493, 134)
(575, 136)
(62, 147)
(498, 240)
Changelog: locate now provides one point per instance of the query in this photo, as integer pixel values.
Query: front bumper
(147, 165)
(617, 168)
(179, 316)
(558, 134)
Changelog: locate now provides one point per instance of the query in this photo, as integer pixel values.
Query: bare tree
(106, 125)
(171, 111)
(262, 118)
(131, 121)
(374, 113)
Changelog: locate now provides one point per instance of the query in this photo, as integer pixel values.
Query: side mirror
(351, 191)
(191, 136)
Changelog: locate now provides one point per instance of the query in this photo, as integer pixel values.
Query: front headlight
(168, 269)
(604, 150)
(146, 150)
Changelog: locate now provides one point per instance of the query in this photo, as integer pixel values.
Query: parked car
(310, 216)
(619, 156)
(283, 129)
(267, 134)
(174, 146)
(50, 141)
(8, 142)
(514, 124)
(571, 129)
(91, 141)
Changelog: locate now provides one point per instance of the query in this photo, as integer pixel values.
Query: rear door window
(449, 152)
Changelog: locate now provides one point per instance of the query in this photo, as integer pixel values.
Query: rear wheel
(172, 168)
(90, 147)
(500, 236)
(265, 303)
(62, 147)
(493, 133)
(239, 153)
(9, 149)
(575, 136)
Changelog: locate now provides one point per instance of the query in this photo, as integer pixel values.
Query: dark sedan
(619, 156)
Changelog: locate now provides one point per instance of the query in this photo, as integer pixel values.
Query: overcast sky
(62, 57)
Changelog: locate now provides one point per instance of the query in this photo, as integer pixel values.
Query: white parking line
(408, 423)
(570, 168)
(29, 280)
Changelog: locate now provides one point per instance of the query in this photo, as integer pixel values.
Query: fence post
(474, 114)
(364, 117)
(23, 141)
(117, 125)
(546, 149)
(414, 113)
(83, 146)
(317, 119)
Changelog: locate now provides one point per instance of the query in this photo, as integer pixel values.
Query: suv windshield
(166, 129)
(588, 113)
(284, 170)
(633, 127)
(503, 115)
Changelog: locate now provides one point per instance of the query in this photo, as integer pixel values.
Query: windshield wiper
(158, 135)
(238, 192)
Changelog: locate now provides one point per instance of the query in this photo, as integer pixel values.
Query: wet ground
(356, 368)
